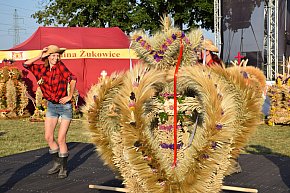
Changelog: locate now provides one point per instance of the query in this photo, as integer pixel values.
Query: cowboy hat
(209, 45)
(51, 49)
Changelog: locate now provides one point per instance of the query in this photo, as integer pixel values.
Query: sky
(25, 23)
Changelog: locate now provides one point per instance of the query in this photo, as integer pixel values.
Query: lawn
(270, 140)
(22, 135)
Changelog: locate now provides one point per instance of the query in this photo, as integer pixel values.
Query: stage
(26, 172)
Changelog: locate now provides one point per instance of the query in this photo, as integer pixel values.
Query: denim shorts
(59, 110)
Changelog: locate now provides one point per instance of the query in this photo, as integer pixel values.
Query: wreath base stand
(231, 188)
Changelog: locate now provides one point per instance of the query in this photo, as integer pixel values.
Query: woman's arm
(67, 98)
(32, 60)
(72, 85)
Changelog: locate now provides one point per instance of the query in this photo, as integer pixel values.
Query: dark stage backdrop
(243, 30)
(284, 33)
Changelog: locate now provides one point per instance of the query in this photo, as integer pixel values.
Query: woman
(207, 55)
(53, 79)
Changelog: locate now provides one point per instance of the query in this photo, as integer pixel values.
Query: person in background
(207, 56)
(54, 79)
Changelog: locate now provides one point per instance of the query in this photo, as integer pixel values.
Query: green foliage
(129, 15)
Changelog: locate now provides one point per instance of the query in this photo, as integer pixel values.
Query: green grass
(21, 135)
(18, 136)
(270, 140)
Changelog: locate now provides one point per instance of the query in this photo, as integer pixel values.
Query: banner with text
(73, 54)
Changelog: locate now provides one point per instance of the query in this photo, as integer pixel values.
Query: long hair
(46, 62)
(215, 58)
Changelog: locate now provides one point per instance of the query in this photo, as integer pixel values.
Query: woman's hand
(64, 99)
(43, 51)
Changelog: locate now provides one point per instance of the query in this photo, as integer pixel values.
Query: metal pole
(285, 48)
(269, 38)
(276, 51)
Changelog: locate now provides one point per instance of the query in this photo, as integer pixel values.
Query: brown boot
(56, 162)
(63, 168)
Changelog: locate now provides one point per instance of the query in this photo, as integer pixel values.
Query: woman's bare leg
(49, 127)
(64, 125)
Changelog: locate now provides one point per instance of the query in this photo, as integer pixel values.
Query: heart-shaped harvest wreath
(131, 117)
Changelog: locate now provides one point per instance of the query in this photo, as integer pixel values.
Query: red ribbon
(175, 102)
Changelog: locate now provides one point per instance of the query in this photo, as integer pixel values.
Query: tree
(129, 15)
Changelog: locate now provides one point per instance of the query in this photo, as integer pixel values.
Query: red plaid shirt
(54, 86)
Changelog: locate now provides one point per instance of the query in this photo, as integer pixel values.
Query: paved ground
(26, 172)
